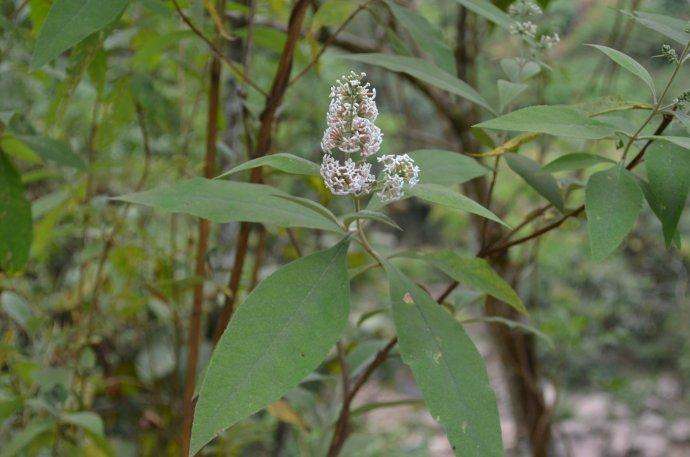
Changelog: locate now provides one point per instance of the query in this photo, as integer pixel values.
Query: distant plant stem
(264, 137)
(194, 333)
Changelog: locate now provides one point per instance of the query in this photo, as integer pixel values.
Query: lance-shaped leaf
(53, 150)
(444, 196)
(424, 71)
(536, 177)
(668, 171)
(15, 219)
(682, 141)
(448, 369)
(282, 161)
(575, 161)
(427, 36)
(225, 201)
(473, 272)
(279, 335)
(69, 22)
(671, 27)
(508, 91)
(613, 200)
(446, 168)
(487, 10)
(558, 120)
(629, 64)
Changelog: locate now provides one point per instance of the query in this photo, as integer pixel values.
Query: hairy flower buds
(399, 171)
(350, 119)
(350, 129)
(347, 178)
(524, 8)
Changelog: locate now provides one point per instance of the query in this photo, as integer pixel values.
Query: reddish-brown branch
(217, 53)
(341, 426)
(234, 282)
(194, 333)
(329, 40)
(263, 142)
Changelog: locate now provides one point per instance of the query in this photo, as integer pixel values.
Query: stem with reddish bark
(194, 334)
(263, 143)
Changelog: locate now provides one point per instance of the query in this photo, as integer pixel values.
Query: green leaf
(440, 195)
(446, 168)
(509, 91)
(16, 229)
(225, 201)
(25, 437)
(556, 120)
(427, 36)
(87, 420)
(311, 204)
(14, 147)
(371, 215)
(682, 141)
(668, 171)
(513, 325)
(671, 27)
(448, 369)
(69, 22)
(475, 273)
(16, 308)
(629, 64)
(536, 177)
(488, 11)
(613, 200)
(424, 71)
(519, 70)
(279, 335)
(282, 161)
(53, 150)
(575, 161)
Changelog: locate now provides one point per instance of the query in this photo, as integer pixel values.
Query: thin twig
(218, 54)
(264, 137)
(330, 41)
(194, 335)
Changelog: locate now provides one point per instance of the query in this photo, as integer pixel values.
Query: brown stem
(234, 282)
(265, 136)
(194, 335)
(330, 41)
(217, 52)
(341, 426)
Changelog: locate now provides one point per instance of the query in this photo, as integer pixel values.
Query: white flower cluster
(348, 178)
(398, 171)
(350, 129)
(524, 29)
(549, 41)
(524, 8)
(522, 12)
(351, 116)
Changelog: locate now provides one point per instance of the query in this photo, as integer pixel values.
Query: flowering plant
(506, 159)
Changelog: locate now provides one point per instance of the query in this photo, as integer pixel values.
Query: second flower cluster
(351, 130)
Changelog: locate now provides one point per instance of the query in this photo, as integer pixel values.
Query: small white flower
(350, 118)
(525, 29)
(401, 165)
(549, 41)
(361, 135)
(348, 178)
(399, 171)
(391, 189)
(524, 8)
